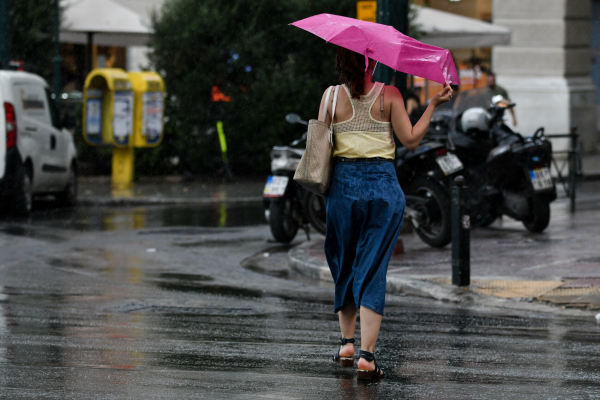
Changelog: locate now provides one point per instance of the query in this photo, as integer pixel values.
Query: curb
(301, 262)
(145, 201)
(480, 290)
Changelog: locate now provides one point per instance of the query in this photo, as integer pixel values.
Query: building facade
(547, 67)
(478, 9)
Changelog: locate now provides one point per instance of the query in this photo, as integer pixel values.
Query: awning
(451, 31)
(114, 24)
(111, 23)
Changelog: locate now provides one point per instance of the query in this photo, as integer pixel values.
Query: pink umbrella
(385, 44)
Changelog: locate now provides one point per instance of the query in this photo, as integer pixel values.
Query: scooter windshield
(478, 97)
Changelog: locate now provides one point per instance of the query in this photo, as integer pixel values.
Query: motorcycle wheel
(283, 224)
(539, 217)
(483, 221)
(315, 212)
(433, 225)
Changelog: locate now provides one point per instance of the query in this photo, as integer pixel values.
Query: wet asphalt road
(105, 304)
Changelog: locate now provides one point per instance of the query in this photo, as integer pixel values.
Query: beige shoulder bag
(314, 169)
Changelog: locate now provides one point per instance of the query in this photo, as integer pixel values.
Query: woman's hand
(443, 96)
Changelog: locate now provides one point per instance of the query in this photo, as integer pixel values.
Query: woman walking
(365, 204)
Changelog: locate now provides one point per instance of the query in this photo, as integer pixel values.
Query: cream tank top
(362, 136)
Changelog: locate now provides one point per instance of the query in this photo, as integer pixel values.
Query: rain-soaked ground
(109, 303)
(98, 218)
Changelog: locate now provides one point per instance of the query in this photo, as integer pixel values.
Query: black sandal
(344, 361)
(368, 374)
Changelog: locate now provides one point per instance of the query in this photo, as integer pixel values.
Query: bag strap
(327, 97)
(335, 98)
(381, 106)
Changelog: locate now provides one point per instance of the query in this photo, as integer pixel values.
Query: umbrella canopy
(385, 44)
(452, 31)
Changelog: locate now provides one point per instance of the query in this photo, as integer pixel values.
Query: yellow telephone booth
(149, 92)
(123, 110)
(108, 108)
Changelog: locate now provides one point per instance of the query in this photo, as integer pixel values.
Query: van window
(31, 102)
(53, 111)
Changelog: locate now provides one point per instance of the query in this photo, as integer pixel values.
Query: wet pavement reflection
(157, 302)
(96, 218)
(130, 331)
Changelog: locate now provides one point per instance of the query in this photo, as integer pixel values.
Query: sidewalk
(561, 266)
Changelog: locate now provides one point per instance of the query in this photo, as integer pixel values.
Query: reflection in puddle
(185, 277)
(17, 230)
(219, 214)
(211, 289)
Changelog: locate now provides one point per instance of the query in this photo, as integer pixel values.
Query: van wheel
(68, 197)
(22, 199)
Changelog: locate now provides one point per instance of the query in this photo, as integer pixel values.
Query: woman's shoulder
(391, 89)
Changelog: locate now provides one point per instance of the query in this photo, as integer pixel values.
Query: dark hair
(491, 73)
(351, 67)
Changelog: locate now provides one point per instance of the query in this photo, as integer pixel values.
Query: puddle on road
(185, 277)
(223, 290)
(272, 262)
(126, 218)
(17, 230)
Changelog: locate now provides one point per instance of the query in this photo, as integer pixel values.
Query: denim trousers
(365, 211)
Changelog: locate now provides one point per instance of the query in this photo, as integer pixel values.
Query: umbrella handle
(367, 58)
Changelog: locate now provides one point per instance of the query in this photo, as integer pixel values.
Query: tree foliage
(249, 51)
(31, 34)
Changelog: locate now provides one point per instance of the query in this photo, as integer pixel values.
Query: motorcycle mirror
(293, 118)
(497, 99)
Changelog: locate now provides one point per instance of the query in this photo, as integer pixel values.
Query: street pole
(57, 61)
(573, 167)
(4, 33)
(461, 236)
(393, 13)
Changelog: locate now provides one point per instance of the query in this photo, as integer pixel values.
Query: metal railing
(573, 160)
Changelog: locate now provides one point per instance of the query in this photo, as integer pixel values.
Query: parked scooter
(288, 206)
(506, 172)
(425, 176)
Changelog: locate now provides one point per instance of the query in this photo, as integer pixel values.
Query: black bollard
(461, 236)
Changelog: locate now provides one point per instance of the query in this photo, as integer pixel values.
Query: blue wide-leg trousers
(365, 211)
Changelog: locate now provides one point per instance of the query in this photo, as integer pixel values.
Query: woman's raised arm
(410, 136)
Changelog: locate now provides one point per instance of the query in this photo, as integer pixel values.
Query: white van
(37, 156)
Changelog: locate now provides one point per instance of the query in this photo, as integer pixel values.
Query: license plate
(541, 179)
(449, 164)
(275, 186)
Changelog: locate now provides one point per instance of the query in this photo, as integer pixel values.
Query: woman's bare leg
(347, 316)
(370, 322)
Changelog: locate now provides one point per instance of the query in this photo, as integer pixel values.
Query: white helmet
(475, 118)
